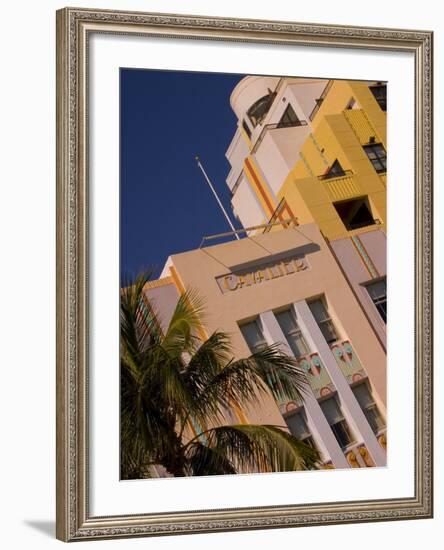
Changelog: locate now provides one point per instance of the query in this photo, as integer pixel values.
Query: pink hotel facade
(301, 280)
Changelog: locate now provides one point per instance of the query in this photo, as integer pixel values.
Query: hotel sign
(267, 272)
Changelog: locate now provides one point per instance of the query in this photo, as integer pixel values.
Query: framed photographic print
(244, 274)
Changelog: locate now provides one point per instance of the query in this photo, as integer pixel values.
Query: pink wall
(356, 272)
(163, 300)
(375, 243)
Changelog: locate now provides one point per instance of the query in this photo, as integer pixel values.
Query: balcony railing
(279, 211)
(332, 176)
(348, 361)
(341, 187)
(276, 126)
(320, 100)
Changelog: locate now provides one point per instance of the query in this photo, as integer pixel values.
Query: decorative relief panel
(382, 440)
(317, 375)
(348, 361)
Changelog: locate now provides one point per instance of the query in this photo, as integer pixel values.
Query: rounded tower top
(250, 90)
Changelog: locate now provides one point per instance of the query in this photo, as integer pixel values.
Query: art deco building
(308, 184)
(315, 151)
(273, 288)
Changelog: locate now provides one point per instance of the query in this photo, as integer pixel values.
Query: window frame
(378, 300)
(379, 163)
(342, 422)
(328, 321)
(335, 171)
(308, 438)
(263, 343)
(266, 101)
(381, 101)
(296, 330)
(293, 119)
(246, 128)
(373, 407)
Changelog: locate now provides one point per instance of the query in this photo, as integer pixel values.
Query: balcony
(342, 187)
(348, 361)
(270, 127)
(361, 125)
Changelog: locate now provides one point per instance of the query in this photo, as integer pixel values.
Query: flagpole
(199, 164)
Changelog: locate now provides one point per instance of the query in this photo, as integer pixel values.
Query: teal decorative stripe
(365, 257)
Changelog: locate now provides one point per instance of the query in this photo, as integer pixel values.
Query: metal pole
(217, 198)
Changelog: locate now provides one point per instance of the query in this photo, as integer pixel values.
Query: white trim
(327, 441)
(350, 406)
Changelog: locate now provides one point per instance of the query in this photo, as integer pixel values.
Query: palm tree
(176, 387)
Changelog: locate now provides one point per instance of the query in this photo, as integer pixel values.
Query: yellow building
(314, 151)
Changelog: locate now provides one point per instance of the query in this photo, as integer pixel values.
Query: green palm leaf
(261, 448)
(173, 380)
(204, 460)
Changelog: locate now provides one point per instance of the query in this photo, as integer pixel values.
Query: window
(332, 411)
(258, 111)
(292, 333)
(380, 94)
(355, 213)
(335, 171)
(246, 128)
(351, 104)
(377, 156)
(252, 332)
(289, 118)
(297, 424)
(365, 399)
(378, 294)
(323, 320)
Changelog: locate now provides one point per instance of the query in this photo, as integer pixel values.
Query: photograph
(253, 296)
(229, 347)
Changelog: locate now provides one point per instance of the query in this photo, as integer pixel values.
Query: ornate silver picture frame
(75, 27)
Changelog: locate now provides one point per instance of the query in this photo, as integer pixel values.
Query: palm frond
(145, 425)
(203, 461)
(172, 379)
(182, 335)
(281, 373)
(139, 327)
(237, 384)
(209, 359)
(261, 448)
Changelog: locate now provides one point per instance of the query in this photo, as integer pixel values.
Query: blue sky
(167, 118)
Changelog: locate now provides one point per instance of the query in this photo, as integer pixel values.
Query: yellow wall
(338, 134)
